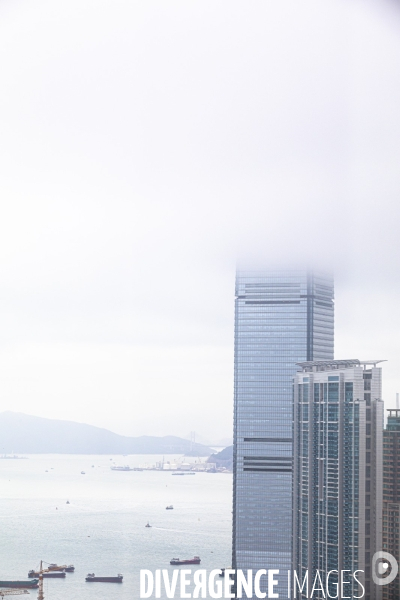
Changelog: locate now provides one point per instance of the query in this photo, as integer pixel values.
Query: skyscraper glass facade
(337, 491)
(391, 497)
(281, 318)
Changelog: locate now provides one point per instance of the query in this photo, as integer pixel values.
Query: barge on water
(189, 561)
(92, 577)
(27, 585)
(66, 568)
(47, 574)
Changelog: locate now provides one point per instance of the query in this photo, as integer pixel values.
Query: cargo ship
(28, 585)
(47, 574)
(189, 561)
(92, 577)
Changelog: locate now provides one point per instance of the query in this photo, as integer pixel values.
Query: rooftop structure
(330, 365)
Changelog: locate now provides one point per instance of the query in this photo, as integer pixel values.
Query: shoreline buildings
(282, 317)
(391, 496)
(337, 491)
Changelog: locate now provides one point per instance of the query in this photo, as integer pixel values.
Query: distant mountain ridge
(26, 434)
(223, 458)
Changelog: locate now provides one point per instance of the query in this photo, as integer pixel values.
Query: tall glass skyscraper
(337, 491)
(282, 317)
(391, 497)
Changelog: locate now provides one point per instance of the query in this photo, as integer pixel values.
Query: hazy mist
(145, 148)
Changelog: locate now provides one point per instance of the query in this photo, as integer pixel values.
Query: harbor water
(102, 529)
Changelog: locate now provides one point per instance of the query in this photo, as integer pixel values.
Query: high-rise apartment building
(281, 317)
(337, 491)
(391, 497)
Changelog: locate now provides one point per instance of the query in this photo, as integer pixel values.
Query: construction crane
(40, 594)
(12, 592)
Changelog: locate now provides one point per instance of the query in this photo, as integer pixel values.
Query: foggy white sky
(144, 146)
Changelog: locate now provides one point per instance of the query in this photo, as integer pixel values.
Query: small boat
(189, 561)
(92, 577)
(28, 585)
(47, 574)
(68, 502)
(66, 568)
(148, 525)
(83, 473)
(170, 507)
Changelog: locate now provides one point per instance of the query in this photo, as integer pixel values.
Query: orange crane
(40, 593)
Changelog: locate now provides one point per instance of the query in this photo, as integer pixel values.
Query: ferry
(189, 561)
(92, 577)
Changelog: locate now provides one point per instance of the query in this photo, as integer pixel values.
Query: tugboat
(170, 507)
(92, 577)
(189, 561)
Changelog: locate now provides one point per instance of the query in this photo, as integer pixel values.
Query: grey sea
(102, 529)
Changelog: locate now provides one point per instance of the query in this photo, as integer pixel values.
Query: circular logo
(384, 568)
